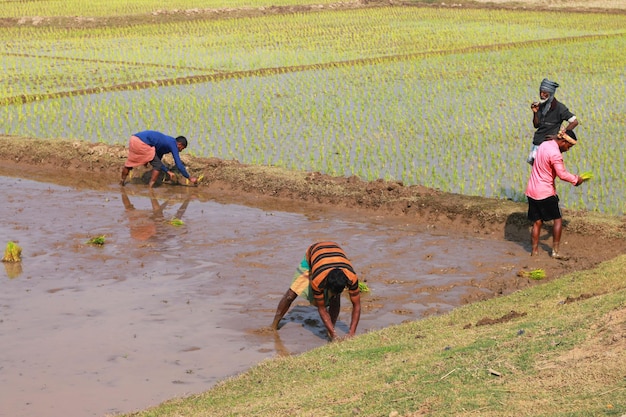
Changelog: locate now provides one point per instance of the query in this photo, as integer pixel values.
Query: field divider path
(104, 61)
(217, 75)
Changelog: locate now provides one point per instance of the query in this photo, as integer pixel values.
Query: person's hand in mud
(173, 178)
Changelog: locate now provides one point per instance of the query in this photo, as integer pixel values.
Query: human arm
(567, 116)
(179, 164)
(535, 109)
(181, 167)
(572, 123)
(325, 316)
(355, 298)
(564, 174)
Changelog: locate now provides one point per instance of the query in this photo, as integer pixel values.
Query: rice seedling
(176, 222)
(187, 182)
(97, 240)
(125, 8)
(12, 252)
(535, 274)
(321, 92)
(363, 287)
(586, 175)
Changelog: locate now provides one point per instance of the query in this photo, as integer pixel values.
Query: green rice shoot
(586, 175)
(12, 253)
(98, 240)
(176, 222)
(363, 287)
(537, 274)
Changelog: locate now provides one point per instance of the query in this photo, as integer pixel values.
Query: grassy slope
(561, 353)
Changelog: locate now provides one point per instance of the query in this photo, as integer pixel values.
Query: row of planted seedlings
(130, 7)
(331, 121)
(238, 124)
(462, 133)
(92, 57)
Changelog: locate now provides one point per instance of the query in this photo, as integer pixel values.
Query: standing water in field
(162, 310)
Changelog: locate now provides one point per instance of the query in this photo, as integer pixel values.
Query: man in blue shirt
(148, 147)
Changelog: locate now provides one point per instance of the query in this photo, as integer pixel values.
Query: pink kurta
(547, 166)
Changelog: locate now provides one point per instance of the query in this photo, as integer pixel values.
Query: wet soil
(160, 310)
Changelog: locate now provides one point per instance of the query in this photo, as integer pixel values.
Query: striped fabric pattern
(323, 257)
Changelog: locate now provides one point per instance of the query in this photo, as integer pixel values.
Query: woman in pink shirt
(543, 202)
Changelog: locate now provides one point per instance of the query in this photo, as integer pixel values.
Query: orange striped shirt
(323, 257)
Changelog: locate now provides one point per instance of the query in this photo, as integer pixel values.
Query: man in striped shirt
(321, 278)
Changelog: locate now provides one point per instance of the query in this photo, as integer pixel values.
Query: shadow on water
(517, 229)
(161, 310)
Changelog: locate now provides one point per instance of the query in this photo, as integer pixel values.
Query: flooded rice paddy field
(161, 311)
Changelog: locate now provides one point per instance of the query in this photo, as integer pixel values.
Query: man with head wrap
(548, 116)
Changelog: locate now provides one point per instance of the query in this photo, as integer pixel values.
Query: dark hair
(336, 281)
(571, 134)
(182, 140)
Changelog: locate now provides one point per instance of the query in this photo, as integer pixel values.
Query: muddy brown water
(161, 311)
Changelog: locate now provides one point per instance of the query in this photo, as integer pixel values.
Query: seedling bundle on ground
(12, 253)
(176, 222)
(98, 240)
(536, 274)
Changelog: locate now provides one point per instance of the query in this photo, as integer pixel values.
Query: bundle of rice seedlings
(586, 175)
(197, 180)
(12, 253)
(535, 274)
(176, 222)
(363, 287)
(98, 240)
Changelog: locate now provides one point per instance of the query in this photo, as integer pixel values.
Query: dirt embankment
(590, 237)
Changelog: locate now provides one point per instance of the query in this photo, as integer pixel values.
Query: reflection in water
(13, 269)
(143, 223)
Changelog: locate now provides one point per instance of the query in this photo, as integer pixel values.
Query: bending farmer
(321, 277)
(148, 147)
